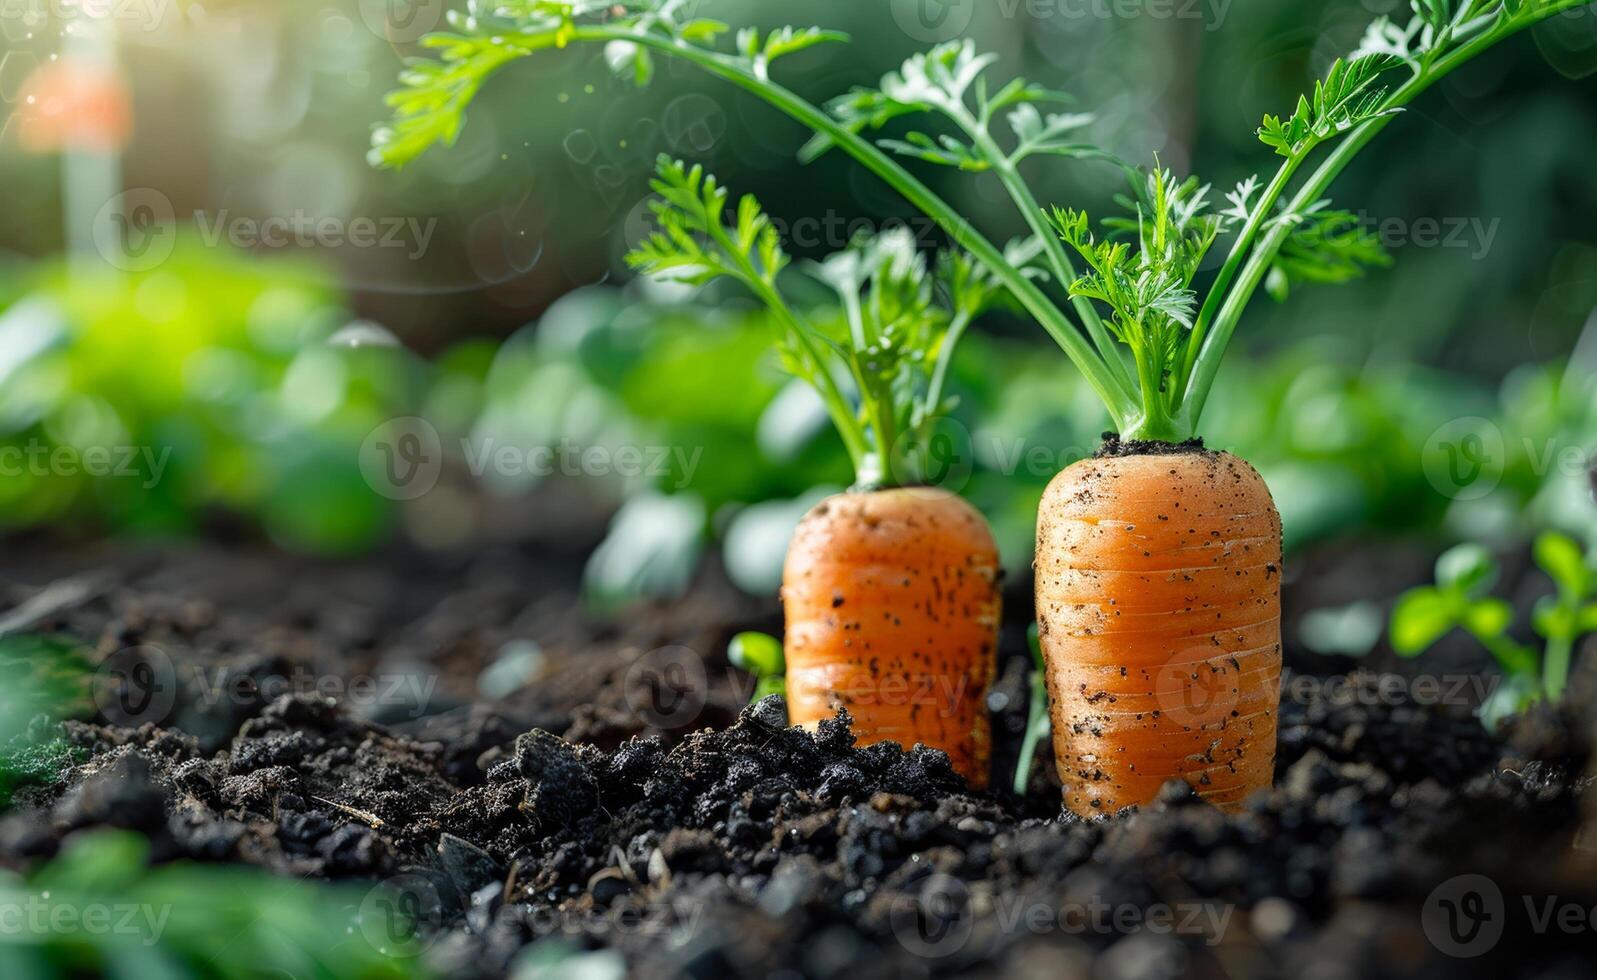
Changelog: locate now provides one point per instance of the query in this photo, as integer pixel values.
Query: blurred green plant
(1342, 439)
(46, 681)
(1461, 599)
(761, 655)
(125, 918)
(694, 390)
(1039, 724)
(141, 400)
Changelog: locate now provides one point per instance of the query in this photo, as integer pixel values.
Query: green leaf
(429, 107)
(1148, 290)
(702, 30)
(1587, 622)
(1467, 568)
(780, 43)
(940, 80)
(1039, 134)
(944, 150)
(790, 40)
(1346, 97)
(695, 245)
(626, 58)
(1561, 558)
(758, 653)
(1488, 617)
(1325, 247)
(1422, 616)
(1554, 620)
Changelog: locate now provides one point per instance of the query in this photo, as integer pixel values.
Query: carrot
(891, 590)
(1159, 612)
(892, 606)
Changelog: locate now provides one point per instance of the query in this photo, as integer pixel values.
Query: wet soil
(535, 775)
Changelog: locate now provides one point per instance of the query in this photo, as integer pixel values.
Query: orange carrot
(892, 606)
(1159, 611)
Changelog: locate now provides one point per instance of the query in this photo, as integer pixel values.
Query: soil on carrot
(601, 786)
(1113, 446)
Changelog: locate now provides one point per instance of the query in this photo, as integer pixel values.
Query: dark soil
(1114, 447)
(609, 797)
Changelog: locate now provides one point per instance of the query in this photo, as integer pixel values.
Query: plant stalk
(1098, 374)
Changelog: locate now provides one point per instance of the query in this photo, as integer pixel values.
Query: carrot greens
(1154, 356)
(901, 319)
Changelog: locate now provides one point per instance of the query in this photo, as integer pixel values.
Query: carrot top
(900, 319)
(1154, 358)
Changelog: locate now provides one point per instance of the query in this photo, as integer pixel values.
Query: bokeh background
(267, 305)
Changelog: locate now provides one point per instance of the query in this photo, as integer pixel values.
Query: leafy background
(519, 321)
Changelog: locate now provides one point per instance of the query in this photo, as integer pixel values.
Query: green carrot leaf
(1345, 98)
(1037, 133)
(944, 150)
(1325, 247)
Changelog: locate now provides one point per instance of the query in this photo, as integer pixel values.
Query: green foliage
(1284, 238)
(182, 920)
(430, 106)
(900, 331)
(1440, 27)
(1460, 599)
(693, 246)
(1346, 97)
(211, 381)
(761, 655)
(1324, 247)
(950, 81)
(1148, 290)
(47, 681)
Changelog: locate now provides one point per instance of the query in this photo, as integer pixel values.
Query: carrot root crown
(1159, 612)
(892, 605)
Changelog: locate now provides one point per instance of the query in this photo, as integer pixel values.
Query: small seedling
(1460, 599)
(1038, 723)
(761, 655)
